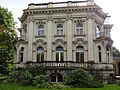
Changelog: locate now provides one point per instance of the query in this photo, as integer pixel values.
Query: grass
(10, 86)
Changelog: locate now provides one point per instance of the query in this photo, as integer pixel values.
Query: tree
(7, 39)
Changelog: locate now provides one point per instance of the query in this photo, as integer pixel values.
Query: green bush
(34, 70)
(26, 78)
(80, 78)
(39, 81)
(31, 75)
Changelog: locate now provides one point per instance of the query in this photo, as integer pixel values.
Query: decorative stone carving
(79, 41)
(69, 17)
(40, 41)
(40, 22)
(49, 18)
(59, 21)
(30, 19)
(59, 42)
(79, 20)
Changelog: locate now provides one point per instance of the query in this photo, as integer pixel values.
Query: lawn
(19, 87)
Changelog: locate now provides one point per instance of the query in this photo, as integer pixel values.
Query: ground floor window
(56, 77)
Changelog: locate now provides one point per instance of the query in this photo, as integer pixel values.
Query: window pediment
(79, 41)
(40, 41)
(59, 42)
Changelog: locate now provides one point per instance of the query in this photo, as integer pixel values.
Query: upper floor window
(79, 29)
(59, 54)
(59, 29)
(40, 54)
(108, 54)
(40, 30)
(99, 53)
(21, 54)
(79, 54)
(97, 32)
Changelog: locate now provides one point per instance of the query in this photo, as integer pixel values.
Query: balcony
(103, 36)
(68, 65)
(54, 64)
(22, 38)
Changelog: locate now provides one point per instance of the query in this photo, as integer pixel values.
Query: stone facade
(63, 35)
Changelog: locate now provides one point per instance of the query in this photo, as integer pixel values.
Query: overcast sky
(109, 6)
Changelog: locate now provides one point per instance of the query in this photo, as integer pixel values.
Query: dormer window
(40, 30)
(59, 29)
(79, 29)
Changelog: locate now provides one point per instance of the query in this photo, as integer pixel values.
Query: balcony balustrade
(61, 4)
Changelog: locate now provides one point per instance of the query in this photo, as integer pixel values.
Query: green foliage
(34, 70)
(39, 81)
(80, 78)
(7, 39)
(31, 75)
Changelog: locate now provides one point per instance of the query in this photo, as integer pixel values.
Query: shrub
(39, 81)
(26, 78)
(34, 70)
(80, 78)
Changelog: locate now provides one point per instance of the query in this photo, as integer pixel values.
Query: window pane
(81, 57)
(53, 78)
(21, 58)
(42, 57)
(77, 57)
(57, 57)
(38, 57)
(99, 56)
(61, 56)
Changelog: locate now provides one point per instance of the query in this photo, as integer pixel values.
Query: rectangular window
(77, 57)
(38, 57)
(42, 57)
(40, 32)
(61, 56)
(81, 57)
(57, 57)
(21, 58)
(99, 56)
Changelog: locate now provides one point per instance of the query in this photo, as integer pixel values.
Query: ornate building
(61, 36)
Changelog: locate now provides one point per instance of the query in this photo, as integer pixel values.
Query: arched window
(56, 78)
(79, 29)
(21, 54)
(40, 54)
(59, 54)
(97, 32)
(99, 53)
(79, 54)
(108, 54)
(40, 30)
(59, 29)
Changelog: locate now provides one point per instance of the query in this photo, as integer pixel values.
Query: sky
(108, 6)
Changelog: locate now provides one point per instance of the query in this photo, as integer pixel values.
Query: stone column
(49, 38)
(90, 39)
(30, 28)
(69, 40)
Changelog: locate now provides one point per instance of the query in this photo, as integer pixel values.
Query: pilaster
(30, 28)
(49, 38)
(69, 39)
(90, 39)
